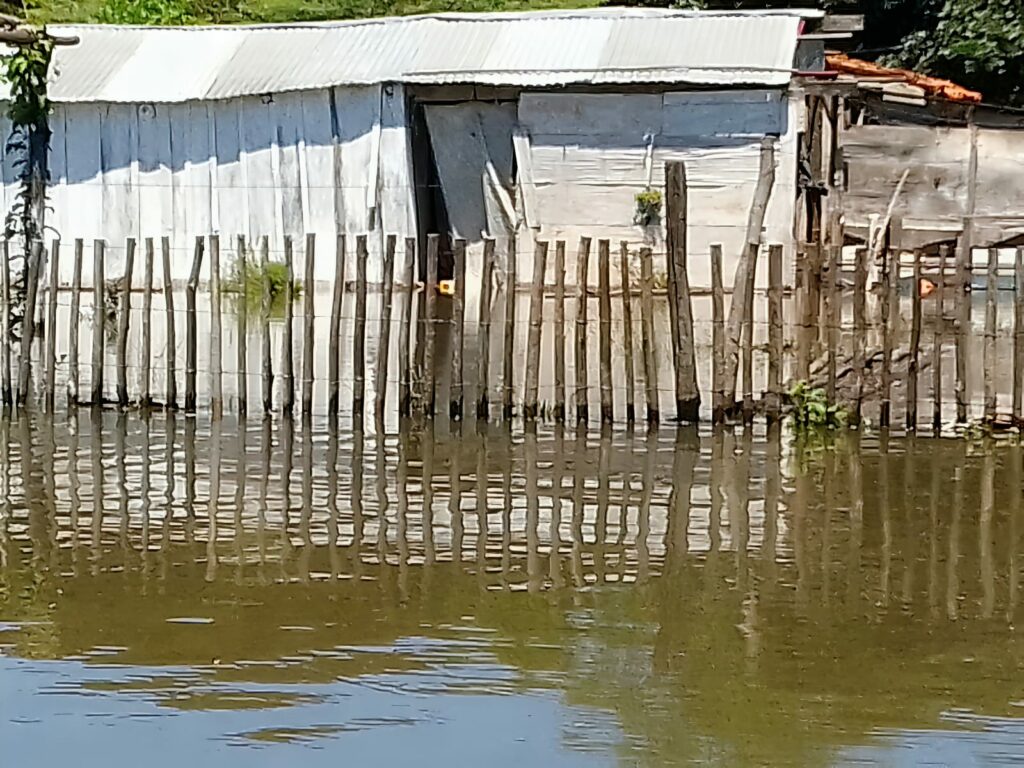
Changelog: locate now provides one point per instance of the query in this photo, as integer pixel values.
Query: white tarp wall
(326, 161)
(588, 155)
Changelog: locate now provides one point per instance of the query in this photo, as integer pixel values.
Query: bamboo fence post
(580, 362)
(172, 339)
(456, 393)
(51, 326)
(287, 361)
(647, 326)
(430, 331)
(748, 336)
(774, 404)
(28, 327)
(831, 302)
(559, 346)
(99, 312)
(915, 345)
(1018, 330)
(359, 339)
(687, 391)
(627, 332)
(123, 322)
(940, 300)
(508, 350)
(265, 341)
(989, 362)
(5, 327)
(540, 259)
(216, 333)
(191, 350)
(73, 322)
(483, 407)
(719, 406)
(405, 328)
(308, 322)
(890, 278)
(860, 329)
(604, 306)
(963, 321)
(146, 348)
(381, 371)
(242, 357)
(334, 333)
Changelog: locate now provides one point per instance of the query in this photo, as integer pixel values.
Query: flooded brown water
(174, 594)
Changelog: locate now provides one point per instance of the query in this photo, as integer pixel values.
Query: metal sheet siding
(608, 45)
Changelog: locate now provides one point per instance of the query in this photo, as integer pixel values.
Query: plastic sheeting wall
(325, 161)
(590, 154)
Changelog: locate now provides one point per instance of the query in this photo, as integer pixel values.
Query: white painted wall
(325, 161)
(590, 156)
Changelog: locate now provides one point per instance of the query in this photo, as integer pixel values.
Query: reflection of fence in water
(866, 524)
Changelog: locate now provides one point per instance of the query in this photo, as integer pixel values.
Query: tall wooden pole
(687, 391)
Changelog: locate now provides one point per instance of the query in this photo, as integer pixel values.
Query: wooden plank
(216, 333)
(774, 401)
(719, 406)
(28, 322)
(746, 268)
(456, 394)
(687, 391)
(308, 323)
(1018, 330)
(430, 330)
(647, 329)
(627, 332)
(334, 332)
(359, 336)
(5, 327)
(536, 319)
(146, 345)
(604, 304)
(915, 345)
(483, 408)
(940, 319)
(508, 350)
(53, 283)
(287, 345)
(266, 352)
(381, 371)
(405, 330)
(242, 317)
(989, 359)
(559, 345)
(191, 343)
(580, 362)
(171, 395)
(860, 328)
(73, 323)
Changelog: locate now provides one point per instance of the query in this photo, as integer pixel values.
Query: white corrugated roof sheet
(596, 46)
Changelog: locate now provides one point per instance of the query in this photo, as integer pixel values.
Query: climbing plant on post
(25, 71)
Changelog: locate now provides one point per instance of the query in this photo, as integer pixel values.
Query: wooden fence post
(456, 393)
(532, 378)
(604, 306)
(359, 338)
(308, 323)
(145, 363)
(172, 338)
(774, 404)
(28, 323)
(963, 320)
(430, 331)
(99, 312)
(940, 301)
(242, 353)
(860, 328)
(405, 329)
(1018, 330)
(73, 322)
(580, 363)
(216, 349)
(123, 322)
(915, 345)
(647, 326)
(51, 325)
(890, 287)
(831, 319)
(508, 351)
(381, 371)
(266, 304)
(748, 338)
(483, 408)
(687, 391)
(334, 332)
(5, 327)
(559, 350)
(191, 349)
(287, 352)
(719, 406)
(627, 332)
(989, 361)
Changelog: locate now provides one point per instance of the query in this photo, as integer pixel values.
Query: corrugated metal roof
(607, 45)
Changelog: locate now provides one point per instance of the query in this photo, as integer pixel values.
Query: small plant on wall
(648, 207)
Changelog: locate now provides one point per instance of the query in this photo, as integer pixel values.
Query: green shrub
(811, 411)
(246, 282)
